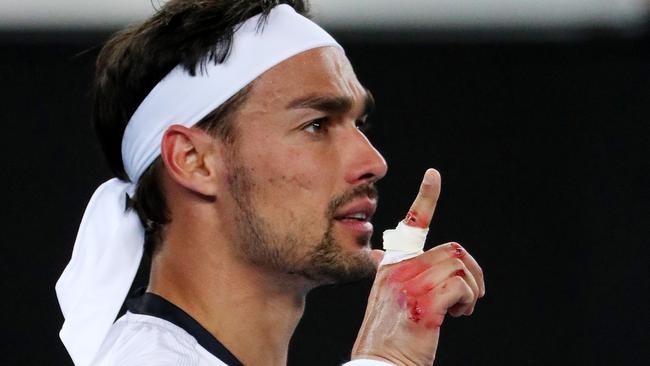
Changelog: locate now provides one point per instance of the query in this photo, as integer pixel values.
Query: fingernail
(428, 177)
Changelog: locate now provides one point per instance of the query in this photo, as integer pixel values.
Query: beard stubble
(262, 244)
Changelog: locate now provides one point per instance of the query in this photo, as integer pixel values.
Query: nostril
(367, 176)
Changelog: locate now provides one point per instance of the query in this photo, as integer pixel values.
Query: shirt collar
(154, 305)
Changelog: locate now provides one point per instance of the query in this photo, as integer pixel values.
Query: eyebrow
(332, 104)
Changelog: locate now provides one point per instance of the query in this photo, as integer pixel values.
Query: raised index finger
(422, 209)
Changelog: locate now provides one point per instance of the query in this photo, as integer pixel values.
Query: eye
(316, 126)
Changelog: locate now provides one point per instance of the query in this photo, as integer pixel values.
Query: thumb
(422, 209)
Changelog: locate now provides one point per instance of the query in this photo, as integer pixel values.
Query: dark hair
(190, 33)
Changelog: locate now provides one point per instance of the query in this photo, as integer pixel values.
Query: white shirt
(154, 332)
(144, 340)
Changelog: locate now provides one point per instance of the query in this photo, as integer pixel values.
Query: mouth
(356, 216)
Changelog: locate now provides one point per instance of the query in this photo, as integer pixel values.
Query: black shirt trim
(154, 305)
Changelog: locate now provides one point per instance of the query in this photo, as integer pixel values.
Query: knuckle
(462, 286)
(467, 288)
(457, 263)
(458, 282)
(456, 250)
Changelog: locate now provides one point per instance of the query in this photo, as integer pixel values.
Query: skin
(250, 221)
(294, 170)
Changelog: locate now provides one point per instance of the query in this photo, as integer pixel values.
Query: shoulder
(146, 340)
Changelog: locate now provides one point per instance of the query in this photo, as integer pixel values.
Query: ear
(192, 159)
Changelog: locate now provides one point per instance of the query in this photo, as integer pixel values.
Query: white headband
(109, 244)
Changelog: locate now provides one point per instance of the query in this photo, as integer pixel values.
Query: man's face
(301, 172)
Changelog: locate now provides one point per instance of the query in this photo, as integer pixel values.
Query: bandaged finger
(403, 242)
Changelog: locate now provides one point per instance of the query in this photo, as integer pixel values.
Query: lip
(366, 206)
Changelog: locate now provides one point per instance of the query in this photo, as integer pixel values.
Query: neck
(250, 310)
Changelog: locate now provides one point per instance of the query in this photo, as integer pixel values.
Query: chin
(353, 242)
(341, 263)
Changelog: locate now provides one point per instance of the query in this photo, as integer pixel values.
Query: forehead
(321, 71)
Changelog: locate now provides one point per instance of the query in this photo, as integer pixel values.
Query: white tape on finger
(403, 242)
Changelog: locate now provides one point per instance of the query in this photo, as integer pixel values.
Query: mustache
(368, 190)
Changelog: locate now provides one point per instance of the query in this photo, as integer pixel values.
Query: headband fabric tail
(105, 259)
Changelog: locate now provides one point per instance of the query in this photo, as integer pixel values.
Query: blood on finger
(458, 251)
(406, 270)
(420, 310)
(415, 296)
(412, 219)
(415, 311)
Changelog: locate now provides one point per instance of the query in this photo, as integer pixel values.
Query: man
(241, 123)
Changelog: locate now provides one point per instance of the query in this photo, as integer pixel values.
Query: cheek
(285, 180)
(290, 170)
(288, 188)
(292, 182)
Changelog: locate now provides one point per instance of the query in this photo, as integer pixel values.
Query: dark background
(543, 150)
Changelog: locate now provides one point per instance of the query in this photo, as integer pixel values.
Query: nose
(364, 163)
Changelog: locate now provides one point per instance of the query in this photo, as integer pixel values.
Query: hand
(409, 300)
